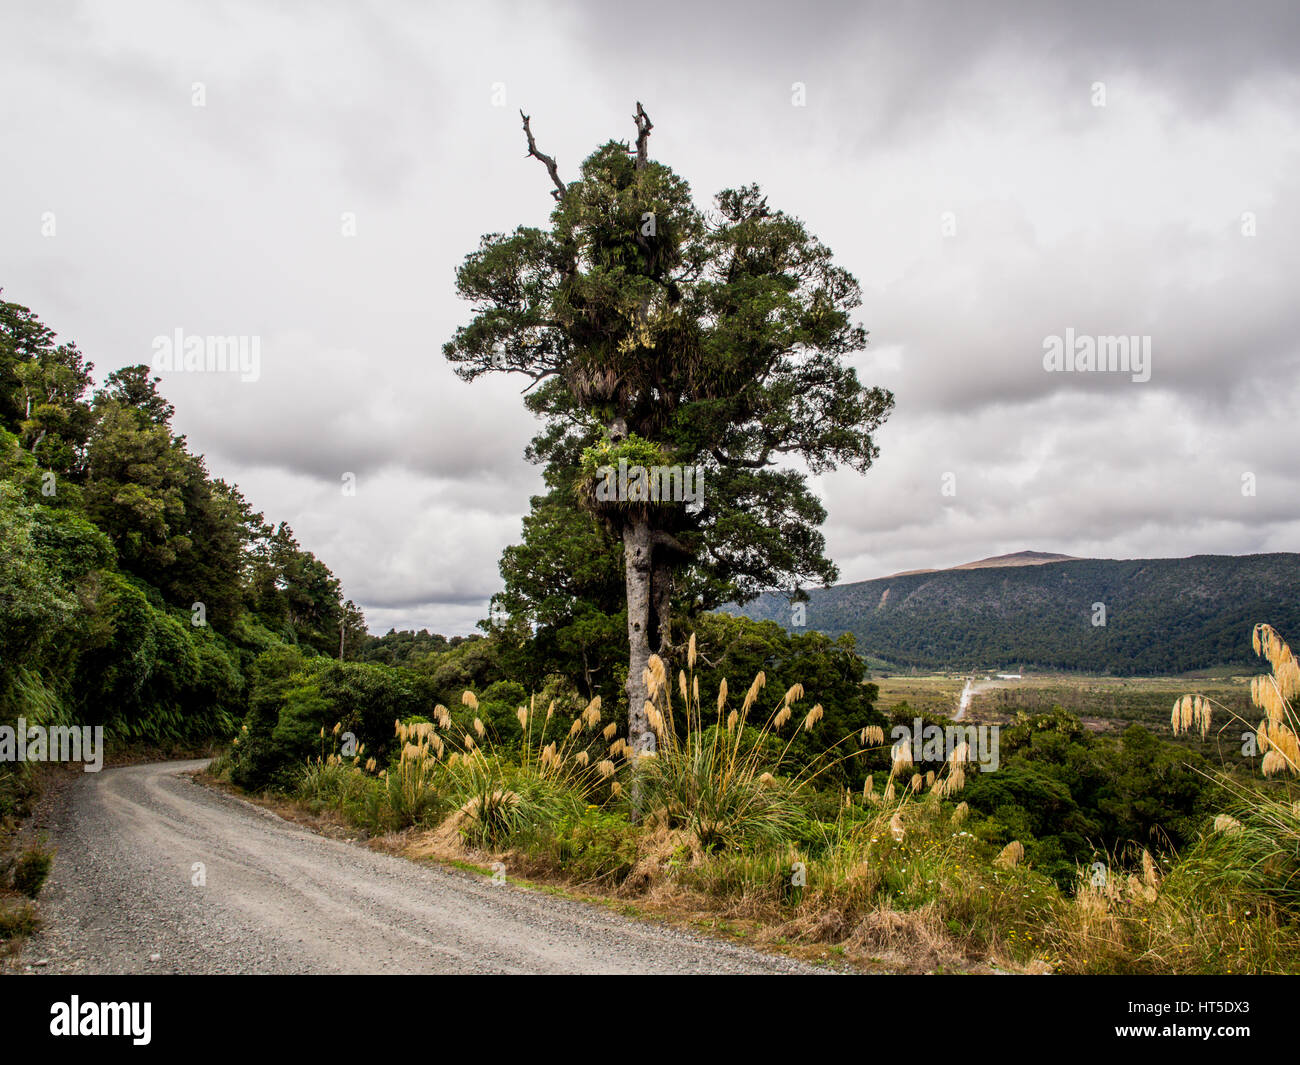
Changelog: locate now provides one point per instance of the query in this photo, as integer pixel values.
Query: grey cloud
(226, 221)
(1201, 48)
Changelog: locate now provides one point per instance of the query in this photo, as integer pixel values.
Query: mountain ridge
(1122, 616)
(1016, 558)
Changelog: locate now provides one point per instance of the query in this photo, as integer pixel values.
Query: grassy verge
(25, 863)
(731, 836)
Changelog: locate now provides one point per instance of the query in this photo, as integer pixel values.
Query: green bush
(594, 845)
(293, 696)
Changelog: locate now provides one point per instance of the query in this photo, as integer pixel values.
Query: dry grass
(1179, 928)
(844, 913)
(1232, 902)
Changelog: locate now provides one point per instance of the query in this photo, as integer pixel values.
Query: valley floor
(1102, 703)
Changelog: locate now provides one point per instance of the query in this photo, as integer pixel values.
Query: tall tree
(24, 339)
(132, 387)
(663, 336)
(135, 489)
(42, 391)
(352, 629)
(295, 594)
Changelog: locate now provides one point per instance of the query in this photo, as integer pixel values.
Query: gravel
(126, 896)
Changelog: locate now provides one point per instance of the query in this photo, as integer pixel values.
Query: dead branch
(643, 128)
(549, 161)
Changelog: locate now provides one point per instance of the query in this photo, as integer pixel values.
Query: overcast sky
(993, 176)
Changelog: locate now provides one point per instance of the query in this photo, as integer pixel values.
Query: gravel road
(279, 899)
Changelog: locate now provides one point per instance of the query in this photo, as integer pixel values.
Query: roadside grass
(728, 836)
(1183, 927)
(22, 875)
(18, 920)
(30, 869)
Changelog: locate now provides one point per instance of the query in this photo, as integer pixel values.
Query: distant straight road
(279, 899)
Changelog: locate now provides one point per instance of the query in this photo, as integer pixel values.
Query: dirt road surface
(275, 898)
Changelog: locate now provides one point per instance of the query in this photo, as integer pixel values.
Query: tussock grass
(31, 868)
(1188, 924)
(22, 875)
(713, 778)
(445, 772)
(926, 898)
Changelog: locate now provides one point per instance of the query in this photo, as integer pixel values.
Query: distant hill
(1162, 615)
(1020, 558)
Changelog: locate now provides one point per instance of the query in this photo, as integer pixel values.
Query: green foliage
(737, 649)
(34, 602)
(469, 664)
(398, 800)
(589, 846)
(496, 708)
(563, 586)
(293, 697)
(1069, 795)
(633, 450)
(406, 648)
(41, 390)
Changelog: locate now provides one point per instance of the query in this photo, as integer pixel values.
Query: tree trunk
(637, 560)
(661, 595)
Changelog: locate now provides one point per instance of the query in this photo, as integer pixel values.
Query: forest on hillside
(1136, 616)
